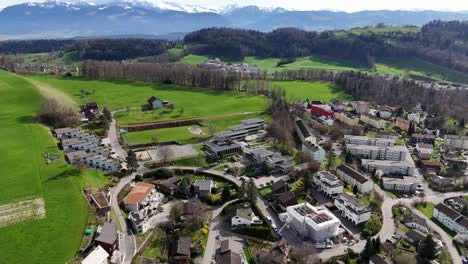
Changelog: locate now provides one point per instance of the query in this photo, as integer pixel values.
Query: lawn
(194, 59)
(199, 161)
(322, 91)
(24, 173)
(195, 102)
(428, 210)
(180, 134)
(265, 191)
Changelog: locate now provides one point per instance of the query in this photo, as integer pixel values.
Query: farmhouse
(403, 184)
(397, 153)
(355, 178)
(328, 183)
(361, 140)
(451, 219)
(352, 208)
(245, 217)
(312, 223)
(107, 237)
(154, 103)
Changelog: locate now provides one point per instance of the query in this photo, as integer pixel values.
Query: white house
(362, 140)
(66, 132)
(403, 184)
(355, 178)
(316, 224)
(416, 222)
(314, 151)
(97, 256)
(141, 196)
(352, 209)
(245, 217)
(328, 183)
(451, 219)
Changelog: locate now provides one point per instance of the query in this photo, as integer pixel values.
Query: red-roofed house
(434, 166)
(322, 110)
(139, 195)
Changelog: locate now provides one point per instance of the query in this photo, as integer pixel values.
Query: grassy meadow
(323, 91)
(181, 134)
(24, 173)
(196, 102)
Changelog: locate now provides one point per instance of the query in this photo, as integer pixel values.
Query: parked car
(275, 228)
(269, 219)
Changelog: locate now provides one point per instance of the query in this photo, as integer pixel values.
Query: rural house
(154, 103)
(107, 238)
(245, 217)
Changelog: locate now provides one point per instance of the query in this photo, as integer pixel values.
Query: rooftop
(449, 212)
(413, 218)
(108, 233)
(400, 180)
(138, 193)
(183, 246)
(203, 185)
(305, 130)
(353, 173)
(98, 255)
(221, 145)
(252, 121)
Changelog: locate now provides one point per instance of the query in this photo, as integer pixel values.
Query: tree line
(362, 86)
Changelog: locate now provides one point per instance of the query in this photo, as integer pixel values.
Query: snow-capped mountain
(70, 18)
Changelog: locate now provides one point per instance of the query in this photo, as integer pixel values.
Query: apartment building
(369, 141)
(398, 153)
(451, 219)
(403, 184)
(313, 151)
(352, 208)
(455, 141)
(389, 167)
(403, 124)
(347, 118)
(328, 183)
(355, 178)
(373, 121)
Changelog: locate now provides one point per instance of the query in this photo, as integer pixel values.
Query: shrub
(57, 114)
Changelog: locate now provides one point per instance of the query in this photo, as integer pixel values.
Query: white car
(263, 185)
(275, 228)
(269, 219)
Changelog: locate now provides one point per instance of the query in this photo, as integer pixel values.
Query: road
(218, 173)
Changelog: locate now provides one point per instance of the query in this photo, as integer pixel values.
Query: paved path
(218, 173)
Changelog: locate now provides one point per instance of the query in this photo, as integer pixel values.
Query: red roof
(138, 193)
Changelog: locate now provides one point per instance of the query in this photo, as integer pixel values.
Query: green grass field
(324, 91)
(196, 102)
(181, 134)
(24, 173)
(194, 59)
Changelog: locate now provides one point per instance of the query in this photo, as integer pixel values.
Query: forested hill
(442, 43)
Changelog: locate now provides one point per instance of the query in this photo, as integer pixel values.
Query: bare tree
(211, 128)
(165, 153)
(304, 253)
(58, 114)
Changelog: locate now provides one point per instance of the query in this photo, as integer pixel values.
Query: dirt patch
(196, 131)
(16, 212)
(51, 92)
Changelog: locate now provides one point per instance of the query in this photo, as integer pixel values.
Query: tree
(132, 161)
(461, 123)
(181, 110)
(376, 244)
(252, 191)
(171, 107)
(355, 190)
(58, 114)
(427, 250)
(305, 253)
(348, 157)
(368, 249)
(155, 139)
(106, 113)
(242, 191)
(226, 194)
(211, 128)
(176, 212)
(165, 153)
(184, 186)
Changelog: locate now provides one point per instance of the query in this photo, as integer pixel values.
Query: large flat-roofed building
(458, 142)
(230, 135)
(403, 184)
(355, 178)
(313, 223)
(362, 140)
(378, 152)
(389, 167)
(222, 148)
(373, 121)
(352, 208)
(328, 183)
(240, 132)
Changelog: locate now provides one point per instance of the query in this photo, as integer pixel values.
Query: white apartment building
(389, 167)
(142, 196)
(316, 224)
(66, 132)
(355, 178)
(328, 183)
(456, 141)
(314, 151)
(362, 140)
(451, 219)
(74, 144)
(352, 209)
(403, 184)
(378, 152)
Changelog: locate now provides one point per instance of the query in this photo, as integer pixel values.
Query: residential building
(313, 151)
(102, 203)
(389, 167)
(321, 110)
(355, 178)
(154, 103)
(97, 256)
(386, 112)
(203, 187)
(452, 219)
(337, 105)
(316, 224)
(66, 132)
(230, 135)
(414, 236)
(304, 132)
(222, 149)
(274, 161)
(74, 144)
(452, 159)
(182, 250)
(377, 152)
(285, 199)
(457, 203)
(230, 251)
(352, 208)
(328, 183)
(107, 237)
(414, 117)
(280, 186)
(373, 121)
(347, 118)
(432, 166)
(245, 217)
(369, 141)
(403, 124)
(140, 196)
(455, 141)
(379, 259)
(169, 186)
(423, 138)
(403, 184)
(361, 107)
(424, 148)
(416, 222)
(278, 254)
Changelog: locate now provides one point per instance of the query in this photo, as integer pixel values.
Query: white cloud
(342, 5)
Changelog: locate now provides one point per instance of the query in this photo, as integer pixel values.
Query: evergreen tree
(132, 162)
(242, 191)
(226, 194)
(184, 186)
(106, 113)
(368, 249)
(376, 245)
(427, 250)
(252, 191)
(355, 189)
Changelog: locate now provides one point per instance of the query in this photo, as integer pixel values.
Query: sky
(339, 5)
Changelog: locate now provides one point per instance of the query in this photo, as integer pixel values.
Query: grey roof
(415, 235)
(328, 175)
(242, 127)
(65, 130)
(220, 146)
(415, 219)
(252, 121)
(278, 185)
(353, 173)
(261, 152)
(183, 246)
(230, 133)
(463, 221)
(379, 259)
(108, 233)
(245, 213)
(428, 136)
(203, 185)
(78, 154)
(351, 199)
(229, 252)
(449, 212)
(305, 130)
(400, 180)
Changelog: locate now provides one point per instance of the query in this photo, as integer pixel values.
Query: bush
(57, 114)
(160, 174)
(261, 232)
